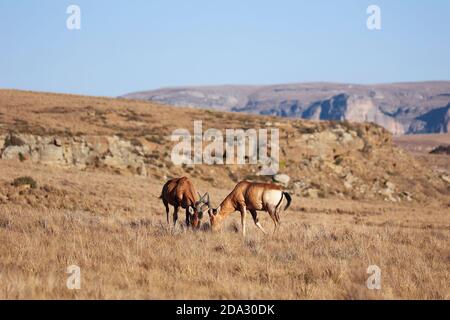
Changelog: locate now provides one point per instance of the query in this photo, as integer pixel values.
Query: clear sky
(126, 46)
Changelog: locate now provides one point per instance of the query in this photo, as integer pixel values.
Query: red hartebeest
(180, 192)
(252, 197)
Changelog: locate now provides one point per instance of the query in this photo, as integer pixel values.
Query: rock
(142, 171)
(349, 180)
(51, 154)
(389, 185)
(445, 178)
(348, 185)
(16, 153)
(311, 193)
(282, 178)
(3, 198)
(13, 140)
(2, 141)
(299, 185)
(80, 154)
(57, 142)
(79, 151)
(406, 195)
(122, 154)
(97, 143)
(388, 192)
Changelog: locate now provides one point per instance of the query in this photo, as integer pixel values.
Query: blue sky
(135, 45)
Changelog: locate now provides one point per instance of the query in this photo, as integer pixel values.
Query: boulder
(281, 178)
(16, 152)
(388, 192)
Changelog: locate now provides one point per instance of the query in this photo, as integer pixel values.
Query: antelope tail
(289, 200)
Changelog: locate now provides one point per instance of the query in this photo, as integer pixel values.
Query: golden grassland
(114, 228)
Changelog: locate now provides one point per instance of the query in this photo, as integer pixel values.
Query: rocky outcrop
(80, 151)
(400, 108)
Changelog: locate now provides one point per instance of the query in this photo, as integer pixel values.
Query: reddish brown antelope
(252, 197)
(180, 192)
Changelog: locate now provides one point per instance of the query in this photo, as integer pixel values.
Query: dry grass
(113, 227)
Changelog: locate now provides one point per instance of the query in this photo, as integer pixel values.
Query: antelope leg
(257, 223)
(187, 218)
(243, 215)
(175, 216)
(167, 212)
(261, 228)
(272, 214)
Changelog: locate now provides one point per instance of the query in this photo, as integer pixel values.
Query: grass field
(113, 227)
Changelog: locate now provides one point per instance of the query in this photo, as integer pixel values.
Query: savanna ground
(113, 227)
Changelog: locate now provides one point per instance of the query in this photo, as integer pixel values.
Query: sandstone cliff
(400, 108)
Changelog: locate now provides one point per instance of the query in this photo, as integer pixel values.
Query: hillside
(322, 159)
(80, 181)
(421, 107)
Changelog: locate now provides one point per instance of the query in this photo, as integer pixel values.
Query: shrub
(25, 181)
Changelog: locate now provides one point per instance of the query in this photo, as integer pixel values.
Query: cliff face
(436, 120)
(355, 109)
(401, 108)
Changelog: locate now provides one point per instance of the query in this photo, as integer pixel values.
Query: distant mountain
(421, 107)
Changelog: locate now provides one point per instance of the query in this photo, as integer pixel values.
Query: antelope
(252, 197)
(180, 192)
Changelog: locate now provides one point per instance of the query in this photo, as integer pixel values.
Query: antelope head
(214, 218)
(199, 208)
